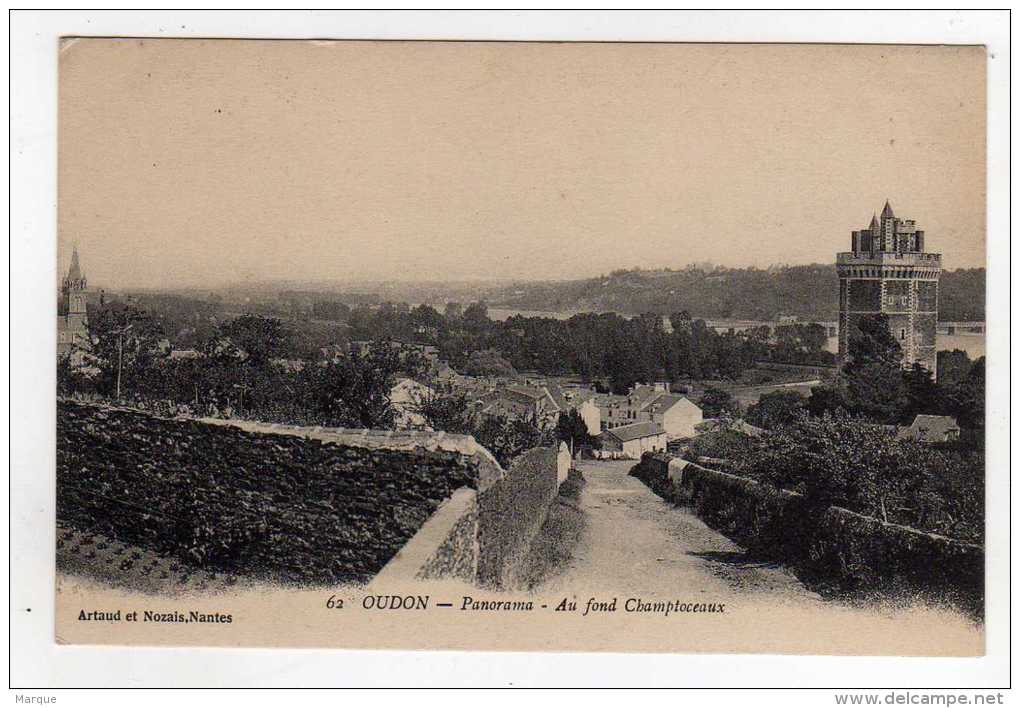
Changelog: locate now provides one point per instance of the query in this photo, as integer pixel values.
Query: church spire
(74, 272)
(887, 212)
(874, 221)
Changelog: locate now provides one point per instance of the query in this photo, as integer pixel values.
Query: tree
(427, 322)
(835, 460)
(488, 362)
(871, 342)
(846, 461)
(922, 394)
(239, 357)
(875, 390)
(476, 317)
(571, 429)
(776, 409)
(453, 312)
(827, 397)
(258, 339)
(966, 401)
(715, 402)
(449, 412)
(124, 344)
(952, 366)
(873, 377)
(623, 368)
(353, 391)
(507, 438)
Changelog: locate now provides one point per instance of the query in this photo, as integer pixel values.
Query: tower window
(903, 334)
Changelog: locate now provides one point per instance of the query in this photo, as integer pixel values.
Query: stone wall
(446, 546)
(511, 512)
(306, 505)
(831, 546)
(309, 505)
(485, 537)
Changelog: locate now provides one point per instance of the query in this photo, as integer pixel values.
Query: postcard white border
(38, 662)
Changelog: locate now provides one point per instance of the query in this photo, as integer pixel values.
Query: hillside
(809, 292)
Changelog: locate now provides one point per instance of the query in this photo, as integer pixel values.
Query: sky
(199, 163)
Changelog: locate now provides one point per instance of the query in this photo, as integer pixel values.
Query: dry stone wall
(290, 504)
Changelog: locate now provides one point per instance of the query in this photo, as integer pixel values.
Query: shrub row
(830, 547)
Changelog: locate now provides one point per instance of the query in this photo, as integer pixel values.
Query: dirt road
(627, 543)
(635, 541)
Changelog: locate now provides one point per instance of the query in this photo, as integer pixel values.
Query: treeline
(247, 367)
(810, 292)
(609, 349)
(242, 369)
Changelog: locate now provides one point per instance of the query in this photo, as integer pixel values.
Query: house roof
(608, 400)
(930, 427)
(664, 402)
(530, 393)
(578, 396)
(641, 395)
(634, 431)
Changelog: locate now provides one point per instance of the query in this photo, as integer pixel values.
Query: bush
(840, 460)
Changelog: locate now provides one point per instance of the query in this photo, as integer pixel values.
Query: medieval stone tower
(888, 271)
(72, 315)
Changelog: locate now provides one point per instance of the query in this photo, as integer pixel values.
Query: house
(568, 398)
(446, 375)
(931, 429)
(677, 414)
(630, 441)
(405, 395)
(531, 403)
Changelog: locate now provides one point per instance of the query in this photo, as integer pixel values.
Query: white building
(677, 414)
(630, 441)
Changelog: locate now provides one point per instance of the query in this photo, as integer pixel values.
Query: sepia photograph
(527, 346)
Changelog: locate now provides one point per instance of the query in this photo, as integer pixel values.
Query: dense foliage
(505, 438)
(846, 461)
(238, 372)
(873, 384)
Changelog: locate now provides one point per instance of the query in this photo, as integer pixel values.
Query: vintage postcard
(521, 346)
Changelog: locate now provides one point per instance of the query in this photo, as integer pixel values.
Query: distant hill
(810, 292)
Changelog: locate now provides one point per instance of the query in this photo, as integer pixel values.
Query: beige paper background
(230, 165)
(202, 162)
(290, 618)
